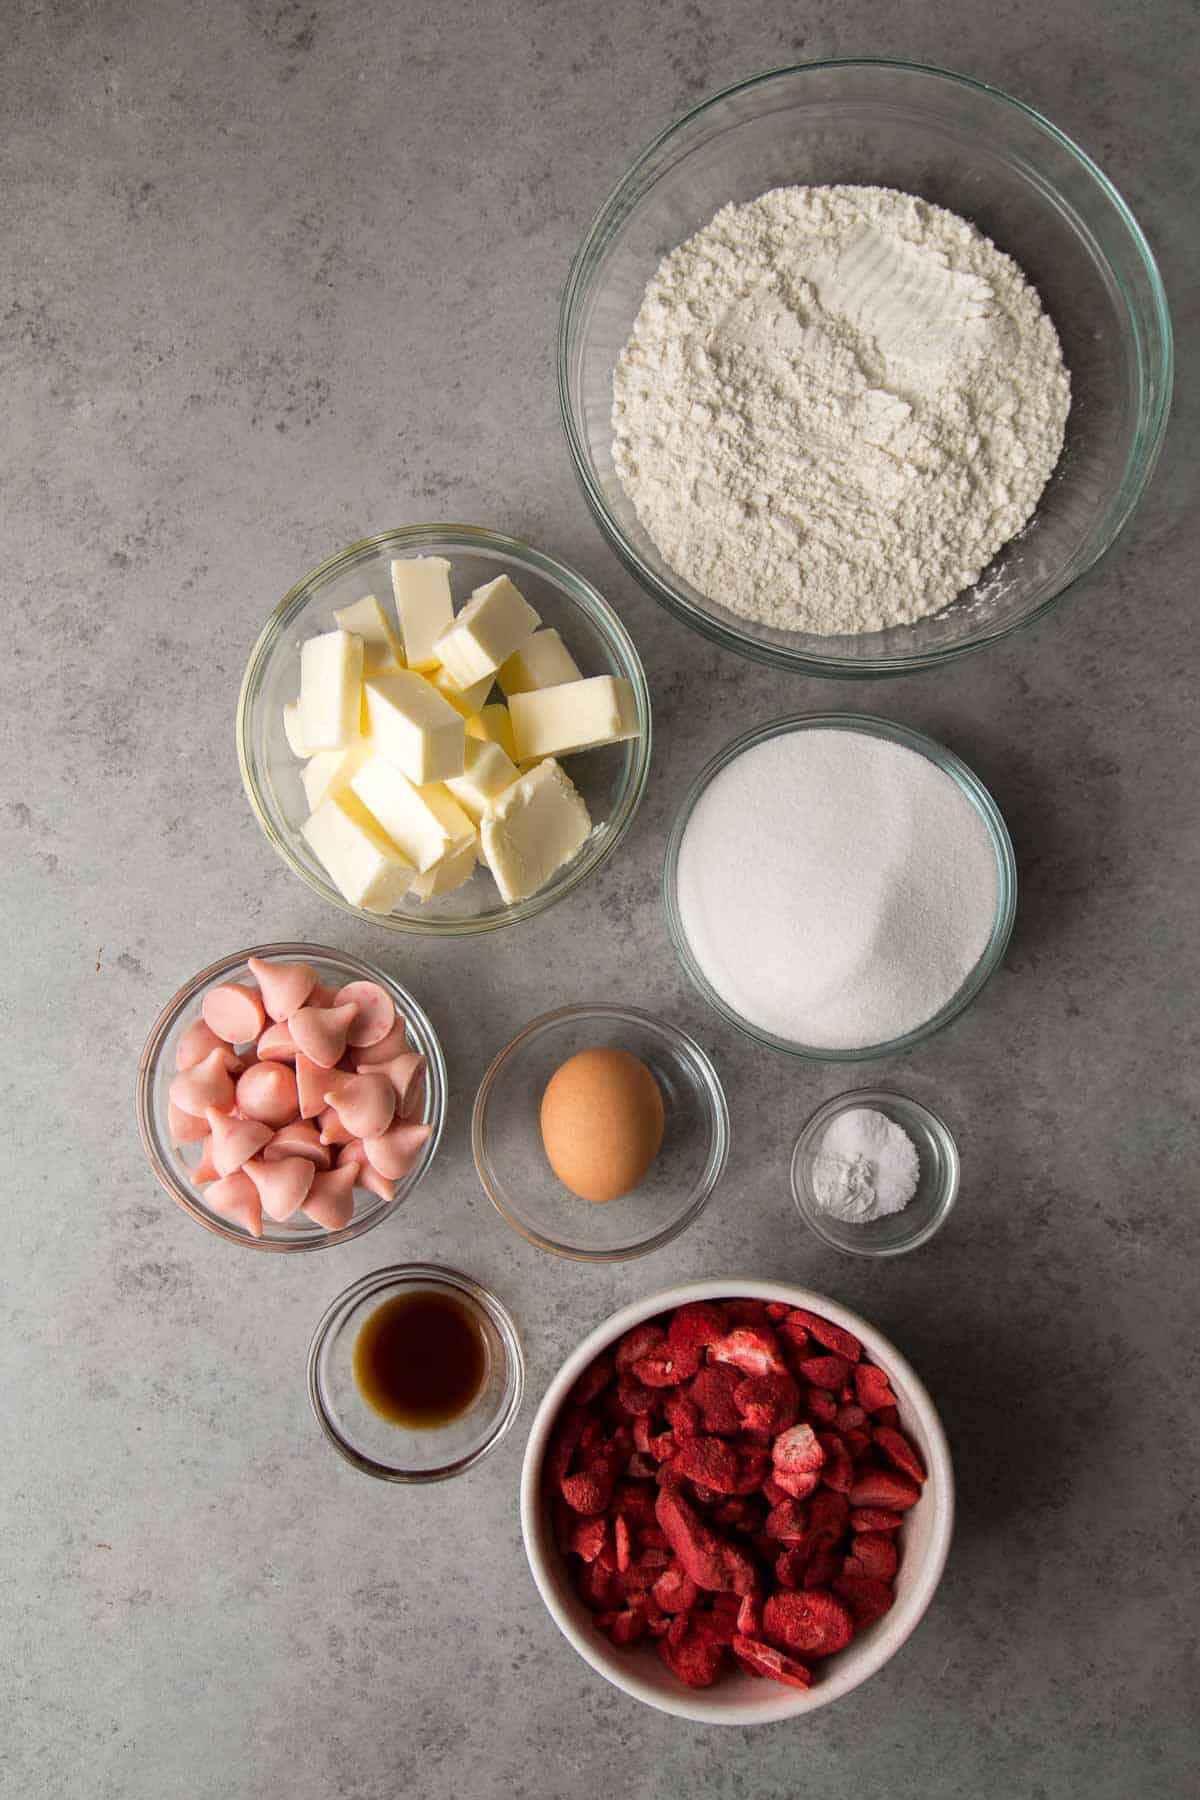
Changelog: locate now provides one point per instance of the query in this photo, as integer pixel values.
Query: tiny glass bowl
(170, 1162)
(937, 1187)
(958, 144)
(506, 1136)
(611, 779)
(972, 789)
(395, 1452)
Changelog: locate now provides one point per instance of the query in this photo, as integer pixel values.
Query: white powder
(866, 1167)
(836, 889)
(836, 405)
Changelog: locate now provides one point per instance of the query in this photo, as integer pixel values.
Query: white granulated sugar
(836, 405)
(836, 889)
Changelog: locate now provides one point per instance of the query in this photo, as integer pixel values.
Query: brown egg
(602, 1123)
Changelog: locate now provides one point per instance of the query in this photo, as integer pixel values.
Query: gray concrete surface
(279, 273)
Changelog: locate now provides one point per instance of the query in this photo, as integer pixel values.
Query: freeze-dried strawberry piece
(638, 1341)
(749, 1615)
(634, 1397)
(884, 1487)
(822, 1570)
(663, 1446)
(829, 1372)
(599, 1588)
(593, 1381)
(787, 1523)
(772, 1493)
(850, 1417)
(641, 1468)
(590, 1490)
(794, 1332)
(675, 1591)
(898, 1450)
(711, 1463)
(587, 1537)
(888, 1415)
(712, 1392)
(747, 1312)
(563, 1444)
(710, 1560)
(777, 1310)
(799, 1483)
(642, 1432)
(621, 1542)
(790, 1566)
(636, 1501)
(691, 1657)
(715, 1627)
(874, 1554)
(767, 1403)
(857, 1443)
(811, 1623)
(828, 1516)
(874, 1518)
(754, 1349)
(658, 1623)
(625, 1627)
(666, 1366)
(758, 1658)
(872, 1387)
(838, 1470)
(696, 1326)
(742, 1511)
(818, 1407)
(834, 1337)
(592, 1435)
(867, 1599)
(796, 1451)
(683, 1414)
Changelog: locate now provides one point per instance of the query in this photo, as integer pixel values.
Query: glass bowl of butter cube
(444, 730)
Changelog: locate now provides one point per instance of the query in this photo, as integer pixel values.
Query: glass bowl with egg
(960, 145)
(564, 1095)
(610, 779)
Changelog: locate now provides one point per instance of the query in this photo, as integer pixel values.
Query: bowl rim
(714, 1168)
(577, 589)
(399, 1275)
(801, 1185)
(181, 1191)
(895, 1628)
(1144, 452)
(942, 758)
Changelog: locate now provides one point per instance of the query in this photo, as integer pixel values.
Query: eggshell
(602, 1123)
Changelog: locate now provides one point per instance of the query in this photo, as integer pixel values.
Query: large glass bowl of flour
(839, 886)
(958, 145)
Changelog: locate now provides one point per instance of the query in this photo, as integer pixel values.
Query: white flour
(866, 1167)
(836, 405)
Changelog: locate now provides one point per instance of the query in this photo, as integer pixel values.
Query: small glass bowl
(976, 793)
(157, 1070)
(958, 144)
(506, 1136)
(611, 779)
(937, 1188)
(394, 1452)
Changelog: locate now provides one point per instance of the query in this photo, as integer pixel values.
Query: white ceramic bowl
(737, 1698)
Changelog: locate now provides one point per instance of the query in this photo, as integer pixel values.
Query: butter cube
(293, 730)
(363, 863)
(463, 700)
(576, 716)
(329, 771)
(425, 824)
(421, 588)
(381, 642)
(446, 875)
(532, 829)
(415, 727)
(331, 668)
(543, 660)
(495, 621)
(487, 773)
(492, 725)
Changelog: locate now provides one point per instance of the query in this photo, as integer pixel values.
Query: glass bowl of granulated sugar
(839, 886)
(862, 366)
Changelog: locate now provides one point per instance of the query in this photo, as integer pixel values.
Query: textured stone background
(277, 274)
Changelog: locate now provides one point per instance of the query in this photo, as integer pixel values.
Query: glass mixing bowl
(959, 145)
(973, 791)
(610, 779)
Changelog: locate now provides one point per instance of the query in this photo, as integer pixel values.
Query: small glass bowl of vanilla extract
(415, 1373)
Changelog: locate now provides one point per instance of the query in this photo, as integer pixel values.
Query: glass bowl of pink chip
(179, 1134)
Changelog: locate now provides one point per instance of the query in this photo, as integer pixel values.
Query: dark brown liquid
(420, 1359)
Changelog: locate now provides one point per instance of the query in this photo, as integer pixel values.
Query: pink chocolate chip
(276, 1044)
(282, 1186)
(235, 1013)
(185, 1127)
(374, 1009)
(330, 1199)
(194, 1045)
(236, 1199)
(299, 1139)
(371, 1055)
(397, 1150)
(208, 1083)
(267, 1091)
(365, 1104)
(234, 1141)
(320, 1032)
(285, 986)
